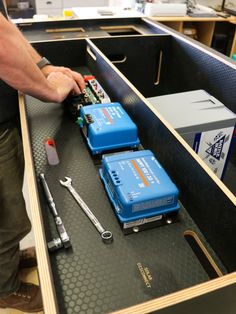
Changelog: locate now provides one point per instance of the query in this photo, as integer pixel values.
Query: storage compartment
(96, 277)
(163, 64)
(203, 31)
(172, 66)
(223, 37)
(121, 30)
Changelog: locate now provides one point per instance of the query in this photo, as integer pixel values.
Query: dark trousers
(14, 222)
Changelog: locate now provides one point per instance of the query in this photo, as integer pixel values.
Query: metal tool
(59, 224)
(55, 244)
(106, 235)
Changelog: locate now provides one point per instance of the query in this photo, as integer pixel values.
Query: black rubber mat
(94, 277)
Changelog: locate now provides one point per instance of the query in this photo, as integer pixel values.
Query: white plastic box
(165, 9)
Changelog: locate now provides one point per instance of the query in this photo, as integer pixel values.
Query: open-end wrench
(106, 235)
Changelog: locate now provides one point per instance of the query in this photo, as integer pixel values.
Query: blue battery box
(108, 127)
(139, 188)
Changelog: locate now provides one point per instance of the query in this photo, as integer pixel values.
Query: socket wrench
(59, 224)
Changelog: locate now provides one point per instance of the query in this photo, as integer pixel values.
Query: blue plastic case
(108, 127)
(138, 186)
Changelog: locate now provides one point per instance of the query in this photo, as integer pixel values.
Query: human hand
(77, 77)
(61, 86)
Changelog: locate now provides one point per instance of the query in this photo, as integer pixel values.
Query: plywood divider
(233, 49)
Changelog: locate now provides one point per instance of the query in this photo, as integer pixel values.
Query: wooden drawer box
(101, 279)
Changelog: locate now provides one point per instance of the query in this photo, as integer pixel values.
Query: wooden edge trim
(180, 296)
(120, 61)
(58, 39)
(222, 186)
(44, 270)
(158, 76)
(187, 18)
(233, 49)
(65, 30)
(92, 55)
(204, 250)
(212, 34)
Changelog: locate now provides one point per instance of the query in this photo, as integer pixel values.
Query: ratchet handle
(62, 232)
(61, 229)
(48, 194)
(46, 188)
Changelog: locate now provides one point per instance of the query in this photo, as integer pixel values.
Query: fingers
(61, 85)
(76, 90)
(79, 80)
(75, 76)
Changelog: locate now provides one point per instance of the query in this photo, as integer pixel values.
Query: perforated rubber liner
(94, 277)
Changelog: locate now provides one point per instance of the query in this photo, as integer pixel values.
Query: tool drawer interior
(161, 65)
(93, 277)
(158, 66)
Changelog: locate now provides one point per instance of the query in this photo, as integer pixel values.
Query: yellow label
(67, 13)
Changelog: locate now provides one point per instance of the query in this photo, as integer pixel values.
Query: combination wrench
(106, 235)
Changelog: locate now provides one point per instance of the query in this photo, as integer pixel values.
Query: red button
(88, 77)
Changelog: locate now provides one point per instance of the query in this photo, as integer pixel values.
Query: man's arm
(19, 70)
(50, 68)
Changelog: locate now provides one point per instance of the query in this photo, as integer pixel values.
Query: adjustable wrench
(106, 235)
